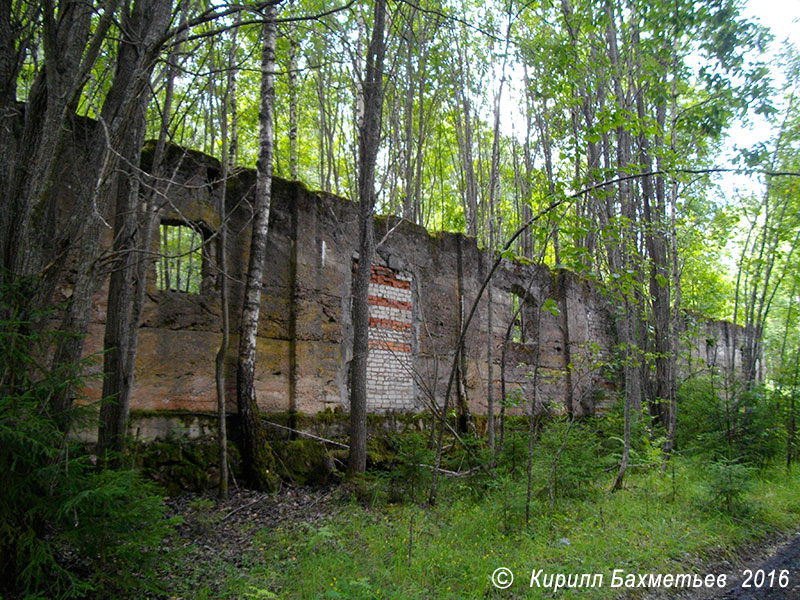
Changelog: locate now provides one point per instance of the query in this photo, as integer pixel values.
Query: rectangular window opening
(180, 264)
(518, 314)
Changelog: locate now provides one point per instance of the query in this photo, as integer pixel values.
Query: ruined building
(421, 284)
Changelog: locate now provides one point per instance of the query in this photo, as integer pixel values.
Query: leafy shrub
(514, 456)
(647, 439)
(726, 483)
(67, 529)
(574, 450)
(409, 477)
(741, 425)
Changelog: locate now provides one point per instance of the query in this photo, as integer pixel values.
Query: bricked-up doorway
(390, 384)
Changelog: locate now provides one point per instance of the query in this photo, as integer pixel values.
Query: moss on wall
(183, 466)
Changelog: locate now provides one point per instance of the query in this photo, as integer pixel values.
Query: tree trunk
(369, 132)
(257, 459)
(294, 47)
(228, 148)
(119, 335)
(620, 258)
(408, 122)
(465, 144)
(144, 25)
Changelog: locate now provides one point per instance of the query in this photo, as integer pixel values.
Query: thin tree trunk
(256, 455)
(222, 269)
(294, 46)
(465, 143)
(494, 188)
(533, 420)
(627, 320)
(408, 122)
(672, 423)
(791, 440)
(461, 381)
(369, 133)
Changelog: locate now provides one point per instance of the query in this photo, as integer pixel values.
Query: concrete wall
(304, 340)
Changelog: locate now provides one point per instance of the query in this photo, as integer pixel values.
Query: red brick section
(389, 324)
(384, 276)
(391, 346)
(378, 301)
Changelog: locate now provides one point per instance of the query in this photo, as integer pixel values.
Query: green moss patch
(184, 466)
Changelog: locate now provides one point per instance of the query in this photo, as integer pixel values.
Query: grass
(659, 524)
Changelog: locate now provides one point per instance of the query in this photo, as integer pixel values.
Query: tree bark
(369, 132)
(294, 47)
(228, 149)
(257, 459)
(143, 27)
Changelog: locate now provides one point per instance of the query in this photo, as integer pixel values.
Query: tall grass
(662, 523)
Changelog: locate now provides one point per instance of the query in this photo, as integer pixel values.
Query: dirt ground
(784, 556)
(781, 552)
(214, 533)
(215, 538)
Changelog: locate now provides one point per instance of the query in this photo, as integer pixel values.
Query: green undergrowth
(660, 523)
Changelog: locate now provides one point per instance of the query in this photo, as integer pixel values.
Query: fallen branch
(310, 435)
(243, 506)
(456, 474)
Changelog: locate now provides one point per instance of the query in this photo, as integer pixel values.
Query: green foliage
(402, 475)
(67, 528)
(646, 439)
(514, 456)
(574, 450)
(658, 524)
(727, 482)
(409, 476)
(736, 425)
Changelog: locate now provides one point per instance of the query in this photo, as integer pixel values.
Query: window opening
(180, 264)
(518, 330)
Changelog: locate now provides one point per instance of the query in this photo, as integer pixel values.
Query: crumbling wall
(421, 284)
(710, 346)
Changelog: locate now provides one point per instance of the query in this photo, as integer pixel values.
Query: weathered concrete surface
(304, 346)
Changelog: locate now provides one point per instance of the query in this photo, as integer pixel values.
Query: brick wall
(390, 384)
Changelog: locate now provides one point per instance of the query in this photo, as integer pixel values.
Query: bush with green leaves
(410, 476)
(646, 437)
(570, 452)
(727, 481)
(68, 529)
(514, 456)
(738, 425)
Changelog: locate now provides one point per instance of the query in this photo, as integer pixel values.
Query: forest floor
(214, 550)
(216, 539)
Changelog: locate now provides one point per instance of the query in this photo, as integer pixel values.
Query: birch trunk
(256, 454)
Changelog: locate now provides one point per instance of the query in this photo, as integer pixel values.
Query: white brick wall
(390, 385)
